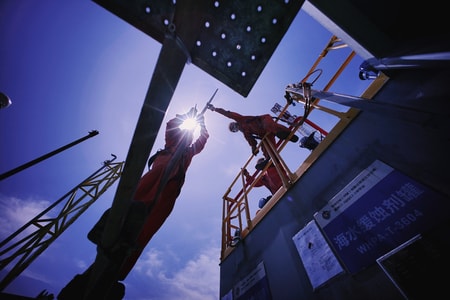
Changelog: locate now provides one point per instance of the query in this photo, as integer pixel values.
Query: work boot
(284, 134)
(294, 139)
(117, 291)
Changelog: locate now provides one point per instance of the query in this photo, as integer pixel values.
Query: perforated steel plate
(230, 40)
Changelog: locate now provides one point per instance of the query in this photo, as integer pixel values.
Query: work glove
(211, 107)
(192, 112)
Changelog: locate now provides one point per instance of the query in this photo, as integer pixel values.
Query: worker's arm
(252, 142)
(226, 113)
(250, 178)
(200, 143)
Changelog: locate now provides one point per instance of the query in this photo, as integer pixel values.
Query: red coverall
(149, 183)
(257, 126)
(271, 179)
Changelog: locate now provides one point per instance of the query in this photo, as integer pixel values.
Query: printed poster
(318, 259)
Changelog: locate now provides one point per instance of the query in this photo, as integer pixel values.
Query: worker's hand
(211, 107)
(192, 112)
(245, 172)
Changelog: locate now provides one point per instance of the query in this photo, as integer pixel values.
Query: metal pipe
(39, 159)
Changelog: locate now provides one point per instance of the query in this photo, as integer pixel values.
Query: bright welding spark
(189, 124)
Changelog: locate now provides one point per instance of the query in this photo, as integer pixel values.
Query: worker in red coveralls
(154, 200)
(256, 127)
(161, 202)
(270, 178)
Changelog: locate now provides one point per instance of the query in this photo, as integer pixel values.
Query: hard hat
(234, 127)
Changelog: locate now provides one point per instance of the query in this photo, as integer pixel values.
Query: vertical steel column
(168, 70)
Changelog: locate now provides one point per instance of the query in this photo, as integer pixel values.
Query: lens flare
(189, 124)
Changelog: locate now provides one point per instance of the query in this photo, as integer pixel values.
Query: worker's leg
(284, 134)
(281, 131)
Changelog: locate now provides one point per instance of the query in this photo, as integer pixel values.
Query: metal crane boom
(45, 229)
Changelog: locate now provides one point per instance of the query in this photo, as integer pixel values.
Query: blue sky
(71, 67)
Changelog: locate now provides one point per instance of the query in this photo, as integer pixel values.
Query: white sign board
(320, 262)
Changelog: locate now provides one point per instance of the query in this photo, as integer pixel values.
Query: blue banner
(378, 211)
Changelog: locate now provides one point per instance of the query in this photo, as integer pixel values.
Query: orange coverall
(258, 126)
(148, 185)
(271, 179)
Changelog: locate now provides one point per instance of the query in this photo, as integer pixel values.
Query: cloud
(15, 212)
(81, 264)
(151, 261)
(199, 278)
